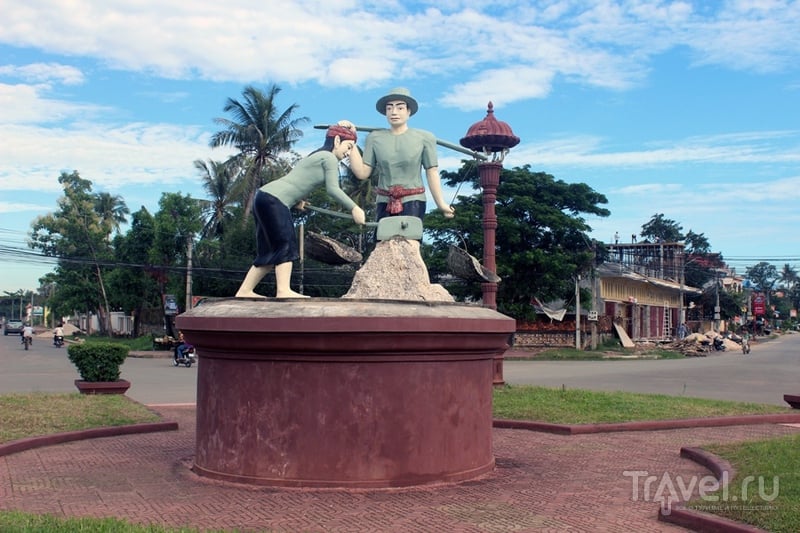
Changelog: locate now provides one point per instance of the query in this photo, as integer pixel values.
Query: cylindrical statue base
(344, 393)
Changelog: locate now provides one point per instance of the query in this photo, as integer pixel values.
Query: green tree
(788, 277)
(112, 210)
(541, 238)
(218, 181)
(697, 243)
(763, 276)
(261, 133)
(699, 269)
(730, 303)
(660, 228)
(133, 283)
(176, 224)
(79, 237)
(700, 264)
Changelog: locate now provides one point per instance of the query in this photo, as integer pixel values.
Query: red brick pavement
(542, 482)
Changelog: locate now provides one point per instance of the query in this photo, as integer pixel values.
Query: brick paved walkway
(543, 482)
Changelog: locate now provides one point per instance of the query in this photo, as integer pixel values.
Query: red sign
(759, 304)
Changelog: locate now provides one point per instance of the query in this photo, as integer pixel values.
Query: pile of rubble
(395, 271)
(702, 344)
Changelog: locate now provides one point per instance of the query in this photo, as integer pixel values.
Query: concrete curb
(30, 443)
(648, 425)
(151, 354)
(698, 520)
(705, 523)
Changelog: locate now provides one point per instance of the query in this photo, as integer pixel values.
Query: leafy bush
(98, 361)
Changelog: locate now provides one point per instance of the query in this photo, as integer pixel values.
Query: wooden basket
(465, 266)
(329, 251)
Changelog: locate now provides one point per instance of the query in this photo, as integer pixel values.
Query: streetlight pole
(682, 313)
(490, 137)
(189, 282)
(577, 312)
(716, 307)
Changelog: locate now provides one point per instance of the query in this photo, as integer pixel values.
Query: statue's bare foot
(290, 294)
(248, 294)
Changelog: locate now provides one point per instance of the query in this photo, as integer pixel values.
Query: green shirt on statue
(311, 172)
(398, 159)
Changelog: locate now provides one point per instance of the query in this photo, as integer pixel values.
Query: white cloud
(510, 84)
(44, 73)
(650, 188)
(607, 44)
(463, 54)
(747, 147)
(22, 207)
(25, 104)
(111, 157)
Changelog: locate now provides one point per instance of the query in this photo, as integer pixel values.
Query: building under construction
(641, 285)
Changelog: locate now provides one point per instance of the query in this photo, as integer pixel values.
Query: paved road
(764, 376)
(771, 370)
(46, 368)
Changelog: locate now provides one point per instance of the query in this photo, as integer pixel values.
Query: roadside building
(640, 286)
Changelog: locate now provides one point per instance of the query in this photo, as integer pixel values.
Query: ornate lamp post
(493, 138)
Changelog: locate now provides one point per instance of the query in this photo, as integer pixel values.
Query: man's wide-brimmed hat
(398, 93)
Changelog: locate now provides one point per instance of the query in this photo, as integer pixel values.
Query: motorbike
(745, 345)
(718, 344)
(186, 357)
(27, 341)
(58, 341)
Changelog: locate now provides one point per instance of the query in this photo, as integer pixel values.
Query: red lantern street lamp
(493, 138)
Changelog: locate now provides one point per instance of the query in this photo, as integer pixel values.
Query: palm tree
(112, 211)
(218, 181)
(261, 133)
(789, 276)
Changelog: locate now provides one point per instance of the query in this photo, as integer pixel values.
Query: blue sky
(684, 108)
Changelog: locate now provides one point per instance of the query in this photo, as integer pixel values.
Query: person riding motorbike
(58, 336)
(27, 335)
(719, 344)
(181, 349)
(746, 343)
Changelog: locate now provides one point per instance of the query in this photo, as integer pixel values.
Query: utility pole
(302, 257)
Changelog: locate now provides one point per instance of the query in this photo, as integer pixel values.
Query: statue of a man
(398, 154)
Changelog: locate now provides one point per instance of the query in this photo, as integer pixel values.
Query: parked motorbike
(58, 341)
(718, 344)
(186, 356)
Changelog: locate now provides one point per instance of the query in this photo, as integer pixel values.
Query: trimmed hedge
(98, 361)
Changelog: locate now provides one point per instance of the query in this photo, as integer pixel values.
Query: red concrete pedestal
(344, 393)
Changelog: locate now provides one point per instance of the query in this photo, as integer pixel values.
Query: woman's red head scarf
(345, 134)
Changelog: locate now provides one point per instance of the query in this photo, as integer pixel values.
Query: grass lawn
(25, 415)
(766, 489)
(603, 353)
(14, 522)
(576, 406)
(28, 415)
